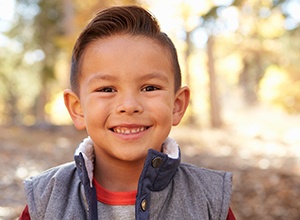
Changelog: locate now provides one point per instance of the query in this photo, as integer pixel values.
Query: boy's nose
(130, 105)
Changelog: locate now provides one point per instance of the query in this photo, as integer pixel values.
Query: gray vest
(167, 189)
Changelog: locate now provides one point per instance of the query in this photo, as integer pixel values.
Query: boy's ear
(72, 103)
(182, 99)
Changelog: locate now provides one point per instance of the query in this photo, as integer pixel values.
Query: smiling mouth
(123, 130)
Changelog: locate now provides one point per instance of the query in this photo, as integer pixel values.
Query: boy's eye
(106, 89)
(149, 88)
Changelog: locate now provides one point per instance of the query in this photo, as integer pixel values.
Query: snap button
(156, 162)
(144, 204)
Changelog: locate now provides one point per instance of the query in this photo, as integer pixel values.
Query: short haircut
(132, 20)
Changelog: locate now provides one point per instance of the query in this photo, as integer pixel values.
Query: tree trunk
(68, 17)
(215, 110)
(191, 119)
(40, 108)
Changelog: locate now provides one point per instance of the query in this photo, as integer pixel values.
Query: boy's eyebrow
(155, 75)
(101, 76)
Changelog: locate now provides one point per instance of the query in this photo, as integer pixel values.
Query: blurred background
(240, 58)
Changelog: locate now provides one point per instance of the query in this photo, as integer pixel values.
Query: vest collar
(159, 167)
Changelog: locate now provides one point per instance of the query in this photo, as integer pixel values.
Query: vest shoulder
(207, 177)
(61, 170)
(200, 171)
(62, 175)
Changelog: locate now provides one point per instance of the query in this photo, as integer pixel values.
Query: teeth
(129, 130)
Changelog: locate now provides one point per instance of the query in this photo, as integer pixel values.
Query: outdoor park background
(240, 58)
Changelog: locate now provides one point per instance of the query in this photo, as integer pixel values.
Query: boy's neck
(118, 175)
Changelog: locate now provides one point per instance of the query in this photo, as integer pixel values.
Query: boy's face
(127, 101)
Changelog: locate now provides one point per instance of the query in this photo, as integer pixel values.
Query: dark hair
(133, 20)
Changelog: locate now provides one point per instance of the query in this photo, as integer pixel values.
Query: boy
(126, 92)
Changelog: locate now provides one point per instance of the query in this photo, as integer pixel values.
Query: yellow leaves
(278, 88)
(57, 111)
(270, 84)
(272, 26)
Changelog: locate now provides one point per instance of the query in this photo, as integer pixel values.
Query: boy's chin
(133, 157)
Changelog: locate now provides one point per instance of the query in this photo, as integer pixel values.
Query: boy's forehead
(139, 47)
(126, 40)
